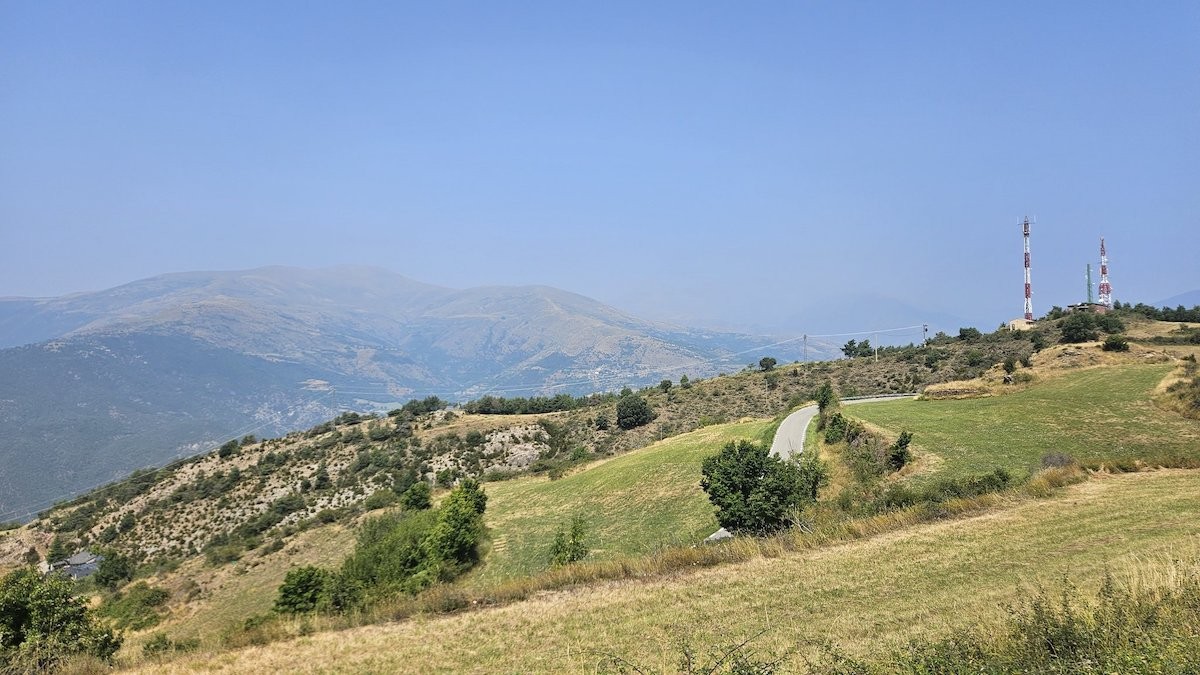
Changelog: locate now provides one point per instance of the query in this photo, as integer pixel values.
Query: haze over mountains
(94, 385)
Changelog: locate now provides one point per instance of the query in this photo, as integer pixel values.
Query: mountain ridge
(159, 368)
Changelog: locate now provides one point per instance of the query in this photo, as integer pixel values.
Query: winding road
(789, 437)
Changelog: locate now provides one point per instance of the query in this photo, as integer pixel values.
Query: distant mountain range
(94, 385)
(1189, 300)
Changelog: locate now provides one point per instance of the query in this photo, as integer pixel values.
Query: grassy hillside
(1090, 414)
(864, 595)
(632, 504)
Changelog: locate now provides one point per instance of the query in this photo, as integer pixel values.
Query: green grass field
(632, 504)
(1090, 414)
(865, 595)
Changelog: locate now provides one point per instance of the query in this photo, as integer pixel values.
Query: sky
(766, 166)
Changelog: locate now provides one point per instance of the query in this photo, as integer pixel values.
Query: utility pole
(924, 334)
(877, 348)
(806, 347)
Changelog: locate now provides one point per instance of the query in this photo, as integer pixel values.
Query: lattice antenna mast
(1091, 300)
(1028, 285)
(1105, 287)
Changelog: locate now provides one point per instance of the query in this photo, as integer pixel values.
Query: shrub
(301, 590)
(1079, 327)
(633, 411)
(417, 497)
(136, 608)
(43, 623)
(380, 499)
(898, 454)
(753, 490)
(568, 545)
(1109, 323)
(160, 644)
(1116, 343)
(113, 571)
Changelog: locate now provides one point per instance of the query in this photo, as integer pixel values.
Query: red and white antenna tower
(1105, 287)
(1028, 285)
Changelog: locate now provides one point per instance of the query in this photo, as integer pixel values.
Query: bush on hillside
(113, 571)
(753, 490)
(417, 497)
(1079, 327)
(569, 545)
(898, 454)
(633, 411)
(137, 608)
(43, 623)
(1116, 343)
(395, 553)
(301, 590)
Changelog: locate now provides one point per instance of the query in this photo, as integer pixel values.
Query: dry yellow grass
(228, 595)
(864, 594)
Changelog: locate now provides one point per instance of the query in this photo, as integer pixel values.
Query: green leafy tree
(58, 550)
(452, 542)
(684, 382)
(301, 590)
(113, 571)
(969, 334)
(766, 363)
(417, 497)
(1109, 323)
(753, 490)
(602, 422)
(864, 348)
(1079, 327)
(472, 491)
(43, 623)
(569, 545)
(850, 349)
(633, 411)
(825, 396)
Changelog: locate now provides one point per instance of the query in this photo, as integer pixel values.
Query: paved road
(789, 437)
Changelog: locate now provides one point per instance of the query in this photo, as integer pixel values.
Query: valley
(879, 558)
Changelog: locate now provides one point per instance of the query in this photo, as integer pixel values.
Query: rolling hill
(94, 385)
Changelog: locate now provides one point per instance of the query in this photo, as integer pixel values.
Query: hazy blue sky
(713, 162)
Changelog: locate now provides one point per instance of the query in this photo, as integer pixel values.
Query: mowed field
(1090, 414)
(632, 504)
(865, 595)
